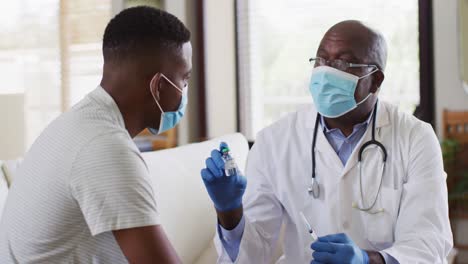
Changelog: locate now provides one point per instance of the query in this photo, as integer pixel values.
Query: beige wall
(12, 126)
(178, 8)
(193, 116)
(220, 67)
(463, 27)
(449, 92)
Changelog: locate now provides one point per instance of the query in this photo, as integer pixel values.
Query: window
(83, 26)
(30, 59)
(152, 3)
(50, 51)
(276, 38)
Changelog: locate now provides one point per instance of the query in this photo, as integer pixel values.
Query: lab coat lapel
(324, 148)
(383, 120)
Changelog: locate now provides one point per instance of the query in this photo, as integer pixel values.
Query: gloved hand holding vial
(230, 166)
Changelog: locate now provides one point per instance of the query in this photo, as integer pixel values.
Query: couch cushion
(209, 255)
(3, 189)
(10, 168)
(186, 211)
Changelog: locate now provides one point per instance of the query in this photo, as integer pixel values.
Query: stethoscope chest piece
(314, 189)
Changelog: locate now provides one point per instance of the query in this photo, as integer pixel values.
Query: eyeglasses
(339, 64)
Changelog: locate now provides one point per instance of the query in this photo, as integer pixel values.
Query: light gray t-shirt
(82, 178)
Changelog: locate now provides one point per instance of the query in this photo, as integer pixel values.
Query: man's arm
(262, 223)
(422, 230)
(115, 192)
(230, 219)
(231, 239)
(147, 244)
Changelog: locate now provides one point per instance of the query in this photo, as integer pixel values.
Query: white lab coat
(414, 226)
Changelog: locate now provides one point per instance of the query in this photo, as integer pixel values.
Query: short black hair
(142, 28)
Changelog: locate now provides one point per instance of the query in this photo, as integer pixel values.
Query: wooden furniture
(455, 126)
(166, 140)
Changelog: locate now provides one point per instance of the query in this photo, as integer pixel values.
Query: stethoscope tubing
(314, 189)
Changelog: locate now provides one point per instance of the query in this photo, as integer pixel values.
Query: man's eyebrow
(348, 55)
(345, 53)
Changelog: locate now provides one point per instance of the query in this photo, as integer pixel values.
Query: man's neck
(133, 125)
(345, 124)
(131, 114)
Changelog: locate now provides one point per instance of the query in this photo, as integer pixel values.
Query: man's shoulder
(89, 121)
(111, 154)
(292, 122)
(303, 119)
(109, 141)
(290, 130)
(75, 131)
(88, 113)
(86, 129)
(405, 123)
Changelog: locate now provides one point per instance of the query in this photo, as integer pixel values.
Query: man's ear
(155, 85)
(377, 81)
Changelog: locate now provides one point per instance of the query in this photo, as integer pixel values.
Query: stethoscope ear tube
(373, 141)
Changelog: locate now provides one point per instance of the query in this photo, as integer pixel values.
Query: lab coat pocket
(380, 221)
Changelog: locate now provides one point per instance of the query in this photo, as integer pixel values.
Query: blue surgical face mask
(170, 119)
(333, 91)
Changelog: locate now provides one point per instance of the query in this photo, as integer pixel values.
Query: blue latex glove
(225, 192)
(338, 248)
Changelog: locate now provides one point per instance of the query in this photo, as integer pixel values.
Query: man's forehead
(187, 51)
(336, 44)
(187, 55)
(179, 59)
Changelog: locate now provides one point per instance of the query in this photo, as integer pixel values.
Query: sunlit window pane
(276, 38)
(30, 59)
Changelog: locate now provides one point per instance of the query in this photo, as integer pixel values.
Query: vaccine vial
(230, 166)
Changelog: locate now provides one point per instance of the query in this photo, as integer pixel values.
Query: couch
(186, 211)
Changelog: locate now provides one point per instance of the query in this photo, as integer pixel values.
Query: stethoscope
(314, 188)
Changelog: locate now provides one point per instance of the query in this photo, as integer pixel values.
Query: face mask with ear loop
(333, 91)
(168, 119)
(333, 94)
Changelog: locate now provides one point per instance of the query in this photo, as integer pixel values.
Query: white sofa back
(186, 211)
(7, 171)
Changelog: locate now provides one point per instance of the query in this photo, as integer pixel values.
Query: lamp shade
(11, 126)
